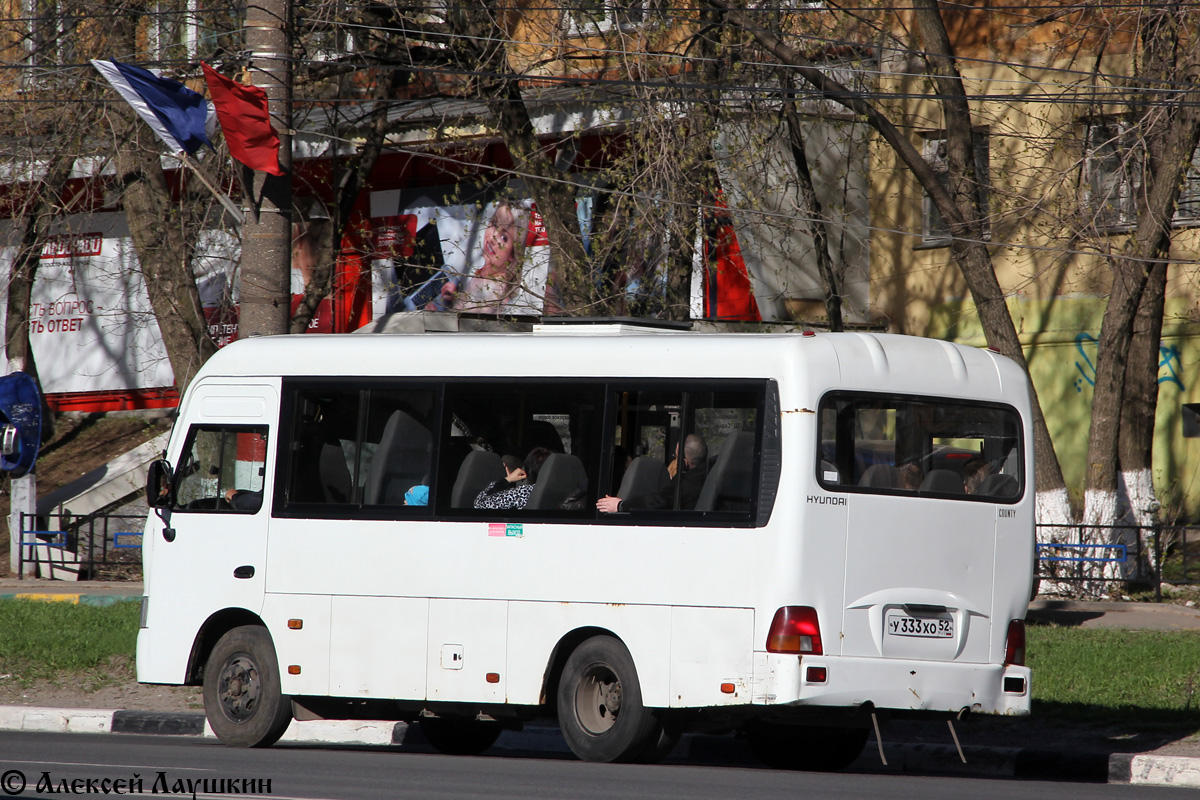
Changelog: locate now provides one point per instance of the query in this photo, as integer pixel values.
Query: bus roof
(884, 362)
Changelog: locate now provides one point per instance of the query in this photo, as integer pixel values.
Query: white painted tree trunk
(1143, 507)
(1099, 519)
(1055, 526)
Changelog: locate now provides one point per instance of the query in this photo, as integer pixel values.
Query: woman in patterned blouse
(514, 489)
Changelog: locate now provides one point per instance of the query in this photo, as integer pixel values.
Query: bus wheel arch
(243, 699)
(558, 659)
(216, 626)
(599, 704)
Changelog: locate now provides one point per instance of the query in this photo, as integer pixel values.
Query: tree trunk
(165, 257)
(811, 207)
(264, 305)
(1136, 444)
(34, 223)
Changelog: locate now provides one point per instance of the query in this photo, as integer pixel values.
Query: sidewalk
(1046, 762)
(88, 593)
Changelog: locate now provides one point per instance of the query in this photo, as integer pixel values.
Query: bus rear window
(885, 444)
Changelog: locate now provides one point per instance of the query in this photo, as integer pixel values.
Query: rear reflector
(816, 675)
(795, 631)
(1014, 646)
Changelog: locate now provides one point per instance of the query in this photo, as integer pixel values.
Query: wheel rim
(598, 700)
(239, 687)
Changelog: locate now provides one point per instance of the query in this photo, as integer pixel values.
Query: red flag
(242, 111)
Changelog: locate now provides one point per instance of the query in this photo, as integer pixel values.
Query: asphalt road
(296, 771)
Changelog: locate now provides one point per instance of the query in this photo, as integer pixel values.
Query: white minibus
(639, 533)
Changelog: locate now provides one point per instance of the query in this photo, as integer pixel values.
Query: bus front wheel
(242, 697)
(600, 706)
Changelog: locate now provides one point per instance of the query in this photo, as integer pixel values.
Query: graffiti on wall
(1085, 346)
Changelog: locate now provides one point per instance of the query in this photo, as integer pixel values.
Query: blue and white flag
(178, 115)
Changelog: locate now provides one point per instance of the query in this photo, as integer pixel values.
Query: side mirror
(158, 484)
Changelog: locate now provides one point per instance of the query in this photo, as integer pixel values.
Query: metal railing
(1119, 554)
(98, 547)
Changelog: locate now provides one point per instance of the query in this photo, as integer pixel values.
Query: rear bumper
(902, 685)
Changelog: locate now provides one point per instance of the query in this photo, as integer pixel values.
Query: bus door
(925, 478)
(215, 545)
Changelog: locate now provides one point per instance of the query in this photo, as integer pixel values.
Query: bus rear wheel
(805, 748)
(242, 697)
(458, 736)
(600, 707)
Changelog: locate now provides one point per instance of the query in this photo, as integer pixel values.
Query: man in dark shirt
(689, 478)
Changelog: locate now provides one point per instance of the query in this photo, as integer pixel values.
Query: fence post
(23, 500)
(1156, 528)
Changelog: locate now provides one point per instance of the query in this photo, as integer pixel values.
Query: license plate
(899, 623)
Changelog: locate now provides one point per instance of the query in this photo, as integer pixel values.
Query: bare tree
(1169, 132)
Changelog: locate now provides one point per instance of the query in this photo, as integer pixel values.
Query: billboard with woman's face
(489, 256)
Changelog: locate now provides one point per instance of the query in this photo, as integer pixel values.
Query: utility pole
(265, 305)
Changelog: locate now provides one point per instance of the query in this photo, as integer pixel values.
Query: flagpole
(222, 198)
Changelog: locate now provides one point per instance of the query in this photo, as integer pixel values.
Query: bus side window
(685, 450)
(321, 456)
(398, 470)
(728, 421)
(916, 446)
(485, 420)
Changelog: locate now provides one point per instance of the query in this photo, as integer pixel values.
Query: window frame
(1117, 134)
(612, 22)
(933, 142)
(285, 508)
(262, 429)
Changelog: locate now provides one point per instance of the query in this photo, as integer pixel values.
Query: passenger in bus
(514, 489)
(689, 479)
(417, 496)
(911, 477)
(974, 471)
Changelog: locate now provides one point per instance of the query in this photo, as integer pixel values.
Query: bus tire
(600, 707)
(242, 697)
(806, 748)
(459, 736)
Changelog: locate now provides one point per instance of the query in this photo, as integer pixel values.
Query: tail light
(1014, 647)
(795, 631)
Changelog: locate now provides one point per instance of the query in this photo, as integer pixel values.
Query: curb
(991, 762)
(74, 598)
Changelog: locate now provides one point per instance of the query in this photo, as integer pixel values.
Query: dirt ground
(126, 694)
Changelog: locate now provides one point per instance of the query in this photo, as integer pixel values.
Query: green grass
(44, 640)
(1148, 676)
